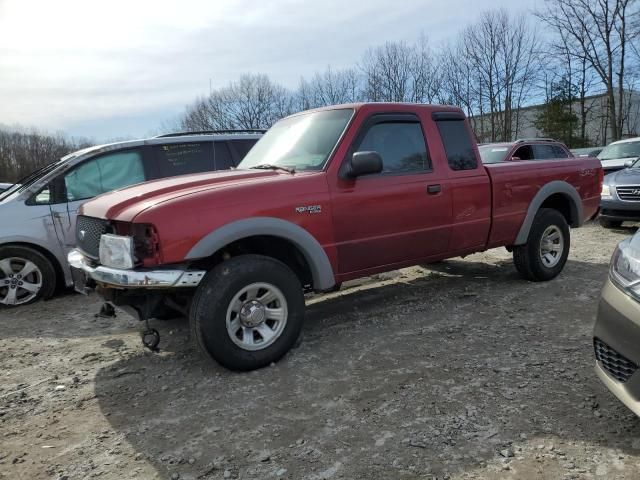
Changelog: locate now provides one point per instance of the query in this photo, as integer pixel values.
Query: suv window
(560, 152)
(400, 144)
(457, 144)
(103, 174)
(182, 158)
(222, 156)
(524, 153)
(544, 152)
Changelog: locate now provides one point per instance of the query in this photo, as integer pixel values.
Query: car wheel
(544, 255)
(26, 276)
(606, 223)
(247, 312)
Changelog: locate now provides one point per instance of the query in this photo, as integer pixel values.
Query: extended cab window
(400, 144)
(103, 174)
(457, 144)
(182, 158)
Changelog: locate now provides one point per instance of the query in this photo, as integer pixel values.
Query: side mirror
(364, 163)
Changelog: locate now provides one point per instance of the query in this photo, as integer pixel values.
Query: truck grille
(629, 193)
(617, 365)
(88, 233)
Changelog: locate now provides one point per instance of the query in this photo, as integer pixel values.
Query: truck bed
(514, 184)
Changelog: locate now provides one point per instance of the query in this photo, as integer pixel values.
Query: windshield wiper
(269, 166)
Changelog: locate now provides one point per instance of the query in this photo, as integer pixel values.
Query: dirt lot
(458, 371)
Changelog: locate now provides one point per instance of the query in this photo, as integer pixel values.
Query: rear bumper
(618, 326)
(106, 276)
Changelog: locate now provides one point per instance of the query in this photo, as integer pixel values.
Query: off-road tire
(208, 314)
(44, 265)
(527, 257)
(606, 223)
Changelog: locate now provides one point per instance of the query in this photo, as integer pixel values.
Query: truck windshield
(493, 153)
(300, 142)
(620, 150)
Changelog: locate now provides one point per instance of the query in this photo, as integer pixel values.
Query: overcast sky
(120, 68)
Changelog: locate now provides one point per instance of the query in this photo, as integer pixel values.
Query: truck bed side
(515, 186)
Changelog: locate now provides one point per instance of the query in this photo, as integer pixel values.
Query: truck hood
(628, 176)
(124, 204)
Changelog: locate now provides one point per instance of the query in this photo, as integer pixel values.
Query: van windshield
(300, 142)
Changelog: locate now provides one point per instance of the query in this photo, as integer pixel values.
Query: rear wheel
(544, 255)
(26, 276)
(247, 312)
(606, 223)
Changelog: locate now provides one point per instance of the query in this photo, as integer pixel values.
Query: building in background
(585, 125)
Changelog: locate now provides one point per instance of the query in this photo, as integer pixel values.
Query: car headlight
(116, 251)
(606, 191)
(625, 266)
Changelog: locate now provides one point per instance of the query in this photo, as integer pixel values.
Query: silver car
(38, 214)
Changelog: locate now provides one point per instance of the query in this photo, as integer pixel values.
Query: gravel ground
(460, 370)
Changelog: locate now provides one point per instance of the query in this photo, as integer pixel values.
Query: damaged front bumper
(82, 270)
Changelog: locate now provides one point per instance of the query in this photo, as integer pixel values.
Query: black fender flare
(314, 254)
(552, 188)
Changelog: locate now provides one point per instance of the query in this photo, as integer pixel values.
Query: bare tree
(503, 61)
(22, 152)
(600, 35)
(253, 101)
(329, 88)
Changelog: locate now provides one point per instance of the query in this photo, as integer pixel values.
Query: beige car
(617, 331)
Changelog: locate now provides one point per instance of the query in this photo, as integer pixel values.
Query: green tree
(556, 118)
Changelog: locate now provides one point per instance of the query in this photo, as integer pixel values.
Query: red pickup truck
(325, 196)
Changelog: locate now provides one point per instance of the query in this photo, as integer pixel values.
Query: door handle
(433, 189)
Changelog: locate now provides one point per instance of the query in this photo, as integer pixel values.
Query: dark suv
(38, 213)
(523, 149)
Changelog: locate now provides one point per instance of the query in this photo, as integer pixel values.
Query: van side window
(241, 147)
(222, 156)
(103, 174)
(457, 144)
(182, 158)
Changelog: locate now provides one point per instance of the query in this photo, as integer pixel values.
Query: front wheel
(544, 255)
(26, 276)
(247, 312)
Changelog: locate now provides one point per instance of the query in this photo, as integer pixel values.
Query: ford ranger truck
(326, 196)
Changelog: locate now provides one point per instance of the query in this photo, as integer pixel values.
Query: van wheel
(544, 255)
(606, 223)
(247, 312)
(26, 276)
